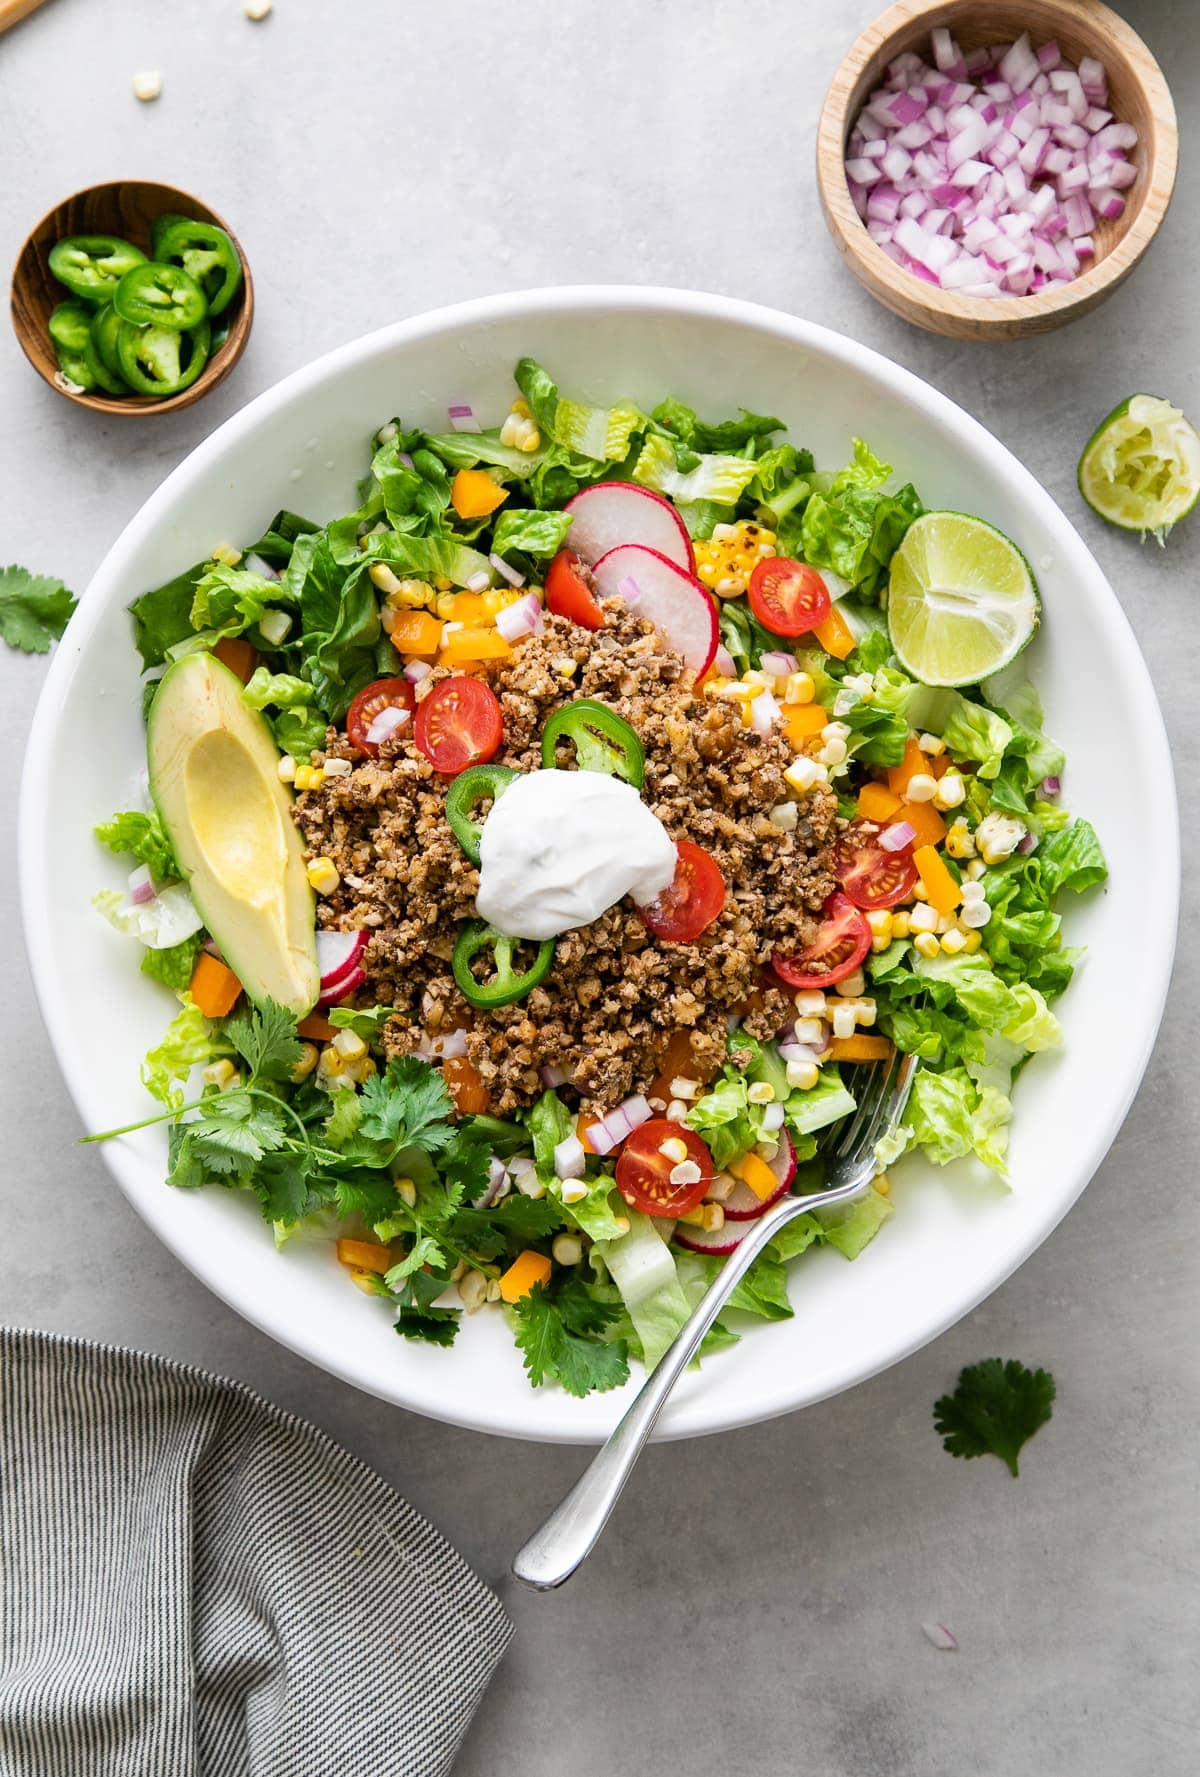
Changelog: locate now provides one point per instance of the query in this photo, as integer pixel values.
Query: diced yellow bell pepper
(465, 646)
(474, 494)
(859, 1048)
(365, 1255)
(801, 721)
(755, 1172)
(416, 632)
(925, 822)
(877, 803)
(943, 892)
(527, 1269)
(835, 635)
(470, 608)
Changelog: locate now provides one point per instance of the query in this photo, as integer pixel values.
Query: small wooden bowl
(125, 207)
(1138, 94)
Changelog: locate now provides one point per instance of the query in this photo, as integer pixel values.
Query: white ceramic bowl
(303, 444)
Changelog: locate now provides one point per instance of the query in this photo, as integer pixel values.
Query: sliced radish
(615, 512)
(337, 953)
(744, 1205)
(671, 599)
(342, 987)
(721, 1240)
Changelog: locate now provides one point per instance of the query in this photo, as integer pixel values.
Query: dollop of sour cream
(560, 848)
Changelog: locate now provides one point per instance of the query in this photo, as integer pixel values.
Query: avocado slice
(214, 777)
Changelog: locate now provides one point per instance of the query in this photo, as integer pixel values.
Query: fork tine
(869, 1099)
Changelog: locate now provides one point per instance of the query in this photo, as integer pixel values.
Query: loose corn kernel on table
(669, 144)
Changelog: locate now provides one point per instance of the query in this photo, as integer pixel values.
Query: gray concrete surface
(387, 156)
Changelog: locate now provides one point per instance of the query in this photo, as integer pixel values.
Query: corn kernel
(954, 941)
(305, 1062)
(337, 768)
(931, 744)
(804, 774)
(927, 943)
(973, 943)
(799, 688)
(382, 576)
(951, 791)
(852, 985)
(323, 876)
(674, 1150)
(880, 924)
(959, 843)
(220, 1074)
(566, 1250)
(882, 1184)
(360, 1070)
(406, 1190)
(760, 1092)
(286, 768)
(574, 1190)
(443, 582)
(521, 408)
(330, 1066)
(900, 924)
(228, 556)
(349, 1045)
(802, 1076)
(923, 919)
(921, 787)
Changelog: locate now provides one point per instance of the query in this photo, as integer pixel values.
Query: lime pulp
(962, 599)
(1141, 467)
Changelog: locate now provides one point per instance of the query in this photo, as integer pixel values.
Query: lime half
(1140, 469)
(962, 601)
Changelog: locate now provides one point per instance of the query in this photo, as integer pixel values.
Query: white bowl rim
(36, 800)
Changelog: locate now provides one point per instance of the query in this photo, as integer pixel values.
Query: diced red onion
(569, 1158)
(263, 569)
(773, 1117)
(724, 662)
(141, 886)
(497, 1181)
(403, 457)
(462, 419)
(629, 590)
(940, 1637)
(799, 1052)
(764, 713)
(416, 670)
(1003, 135)
(779, 663)
(448, 1046)
(897, 836)
(385, 723)
(553, 1076)
(1028, 844)
(506, 570)
(479, 582)
(612, 1129)
(1050, 786)
(522, 619)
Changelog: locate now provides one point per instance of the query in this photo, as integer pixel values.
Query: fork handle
(572, 1530)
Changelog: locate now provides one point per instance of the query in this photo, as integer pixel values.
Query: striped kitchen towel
(194, 1584)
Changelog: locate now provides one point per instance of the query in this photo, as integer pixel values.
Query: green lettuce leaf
(536, 534)
(852, 1226)
(641, 1265)
(722, 479)
(602, 433)
(173, 966)
(141, 835)
(191, 1040)
(853, 528)
(825, 1103)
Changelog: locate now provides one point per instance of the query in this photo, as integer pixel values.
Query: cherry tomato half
(570, 591)
(459, 724)
(384, 694)
(644, 1171)
(692, 901)
(871, 876)
(843, 939)
(788, 597)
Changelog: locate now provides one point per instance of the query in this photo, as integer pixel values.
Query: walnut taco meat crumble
(538, 851)
(616, 994)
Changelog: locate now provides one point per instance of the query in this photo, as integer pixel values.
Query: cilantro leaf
(436, 1326)
(366, 1193)
(424, 1251)
(366, 1025)
(34, 609)
(135, 834)
(995, 1409)
(407, 1106)
(551, 1351)
(234, 1132)
(265, 1037)
(509, 1226)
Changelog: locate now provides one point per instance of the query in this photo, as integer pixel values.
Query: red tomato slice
(384, 694)
(788, 597)
(570, 591)
(693, 900)
(842, 941)
(459, 724)
(644, 1171)
(871, 876)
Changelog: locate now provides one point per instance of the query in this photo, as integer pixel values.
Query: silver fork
(572, 1531)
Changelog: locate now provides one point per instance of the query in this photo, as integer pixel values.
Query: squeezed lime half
(1140, 469)
(962, 600)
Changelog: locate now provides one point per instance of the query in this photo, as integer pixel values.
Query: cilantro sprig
(995, 1409)
(34, 609)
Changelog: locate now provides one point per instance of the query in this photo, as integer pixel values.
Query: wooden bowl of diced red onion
(991, 170)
